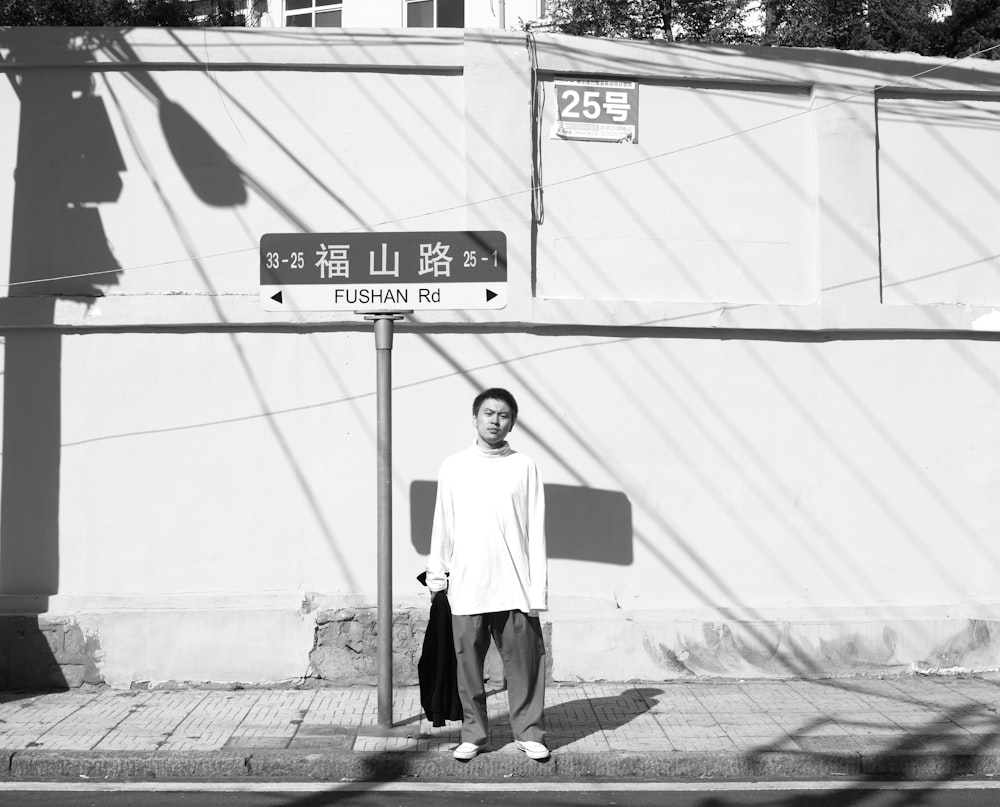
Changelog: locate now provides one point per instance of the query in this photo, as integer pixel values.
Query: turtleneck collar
(500, 451)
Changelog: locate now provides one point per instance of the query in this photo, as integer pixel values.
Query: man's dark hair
(497, 394)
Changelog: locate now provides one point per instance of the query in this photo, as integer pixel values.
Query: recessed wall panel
(939, 200)
(716, 202)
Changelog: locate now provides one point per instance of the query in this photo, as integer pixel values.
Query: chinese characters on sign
(383, 271)
(592, 109)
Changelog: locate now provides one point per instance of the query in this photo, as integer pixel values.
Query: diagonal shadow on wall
(580, 523)
(68, 165)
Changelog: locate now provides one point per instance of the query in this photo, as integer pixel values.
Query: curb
(38, 764)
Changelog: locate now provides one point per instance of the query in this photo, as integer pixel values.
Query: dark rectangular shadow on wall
(580, 523)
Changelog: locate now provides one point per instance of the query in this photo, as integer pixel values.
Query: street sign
(383, 271)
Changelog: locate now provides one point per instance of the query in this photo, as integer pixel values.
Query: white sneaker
(467, 751)
(532, 749)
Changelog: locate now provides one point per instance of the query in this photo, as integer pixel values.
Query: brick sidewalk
(910, 726)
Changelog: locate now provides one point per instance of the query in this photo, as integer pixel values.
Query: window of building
(313, 13)
(435, 13)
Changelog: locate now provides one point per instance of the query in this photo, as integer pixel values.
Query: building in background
(380, 13)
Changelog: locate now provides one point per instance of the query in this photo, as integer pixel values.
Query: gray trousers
(519, 641)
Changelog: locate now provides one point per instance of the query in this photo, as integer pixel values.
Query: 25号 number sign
(591, 109)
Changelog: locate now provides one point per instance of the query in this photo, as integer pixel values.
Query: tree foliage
(975, 26)
(618, 19)
(116, 13)
(722, 22)
(929, 27)
(886, 25)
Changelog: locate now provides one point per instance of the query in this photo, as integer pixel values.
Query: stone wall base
(260, 647)
(346, 647)
(52, 652)
(45, 653)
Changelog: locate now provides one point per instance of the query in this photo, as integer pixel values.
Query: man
(488, 552)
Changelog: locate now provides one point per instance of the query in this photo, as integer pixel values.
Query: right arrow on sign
(490, 295)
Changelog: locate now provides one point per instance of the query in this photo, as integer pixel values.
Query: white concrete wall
(770, 438)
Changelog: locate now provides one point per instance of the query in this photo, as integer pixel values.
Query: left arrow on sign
(276, 297)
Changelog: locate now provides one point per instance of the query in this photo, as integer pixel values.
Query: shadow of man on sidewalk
(574, 720)
(566, 722)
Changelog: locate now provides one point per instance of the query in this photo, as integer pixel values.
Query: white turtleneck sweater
(488, 539)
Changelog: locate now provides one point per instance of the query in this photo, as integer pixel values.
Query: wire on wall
(537, 102)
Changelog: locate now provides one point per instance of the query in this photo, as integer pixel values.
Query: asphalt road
(963, 794)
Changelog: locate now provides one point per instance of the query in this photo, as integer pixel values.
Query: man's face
(493, 423)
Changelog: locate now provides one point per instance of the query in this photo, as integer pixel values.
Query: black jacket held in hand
(437, 668)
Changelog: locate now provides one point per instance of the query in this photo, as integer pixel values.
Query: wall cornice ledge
(244, 311)
(374, 49)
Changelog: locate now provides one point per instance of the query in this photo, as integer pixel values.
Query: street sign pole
(384, 325)
(383, 276)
